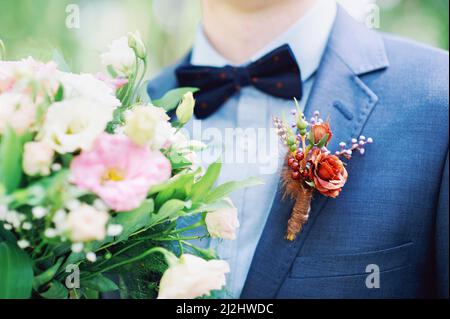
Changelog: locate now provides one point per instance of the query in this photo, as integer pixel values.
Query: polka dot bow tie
(276, 74)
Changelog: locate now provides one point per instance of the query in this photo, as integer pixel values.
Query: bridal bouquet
(93, 180)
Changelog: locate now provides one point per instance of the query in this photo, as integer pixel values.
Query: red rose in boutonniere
(311, 166)
(328, 173)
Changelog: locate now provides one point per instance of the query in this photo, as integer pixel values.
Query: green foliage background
(37, 27)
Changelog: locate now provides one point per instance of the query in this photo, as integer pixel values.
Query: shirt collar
(307, 38)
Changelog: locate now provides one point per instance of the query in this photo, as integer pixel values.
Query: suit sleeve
(442, 236)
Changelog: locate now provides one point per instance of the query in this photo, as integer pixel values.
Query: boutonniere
(311, 167)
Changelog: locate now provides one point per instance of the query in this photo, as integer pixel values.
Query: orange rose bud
(320, 130)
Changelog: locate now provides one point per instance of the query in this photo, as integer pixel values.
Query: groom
(386, 235)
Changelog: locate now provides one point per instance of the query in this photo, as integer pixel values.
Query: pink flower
(119, 171)
(25, 73)
(16, 111)
(114, 83)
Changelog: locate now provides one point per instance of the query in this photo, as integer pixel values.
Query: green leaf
(111, 71)
(205, 253)
(211, 207)
(169, 210)
(181, 180)
(136, 219)
(99, 283)
(56, 291)
(90, 294)
(6, 235)
(50, 188)
(299, 109)
(57, 190)
(181, 187)
(172, 98)
(47, 275)
(59, 94)
(73, 258)
(311, 138)
(201, 188)
(10, 160)
(310, 184)
(178, 161)
(227, 188)
(323, 141)
(16, 275)
(163, 197)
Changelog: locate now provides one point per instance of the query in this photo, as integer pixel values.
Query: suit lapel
(340, 95)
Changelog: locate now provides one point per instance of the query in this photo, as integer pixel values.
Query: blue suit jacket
(394, 210)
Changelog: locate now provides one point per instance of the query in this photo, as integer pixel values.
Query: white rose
(192, 277)
(87, 224)
(181, 142)
(120, 56)
(17, 111)
(223, 222)
(74, 124)
(149, 125)
(37, 159)
(188, 148)
(88, 87)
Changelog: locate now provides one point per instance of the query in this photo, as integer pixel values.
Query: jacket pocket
(348, 276)
(351, 264)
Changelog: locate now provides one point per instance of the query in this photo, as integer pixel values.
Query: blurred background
(38, 27)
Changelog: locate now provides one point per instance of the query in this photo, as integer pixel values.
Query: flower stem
(178, 238)
(139, 82)
(182, 230)
(300, 213)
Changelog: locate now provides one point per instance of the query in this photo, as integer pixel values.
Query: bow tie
(276, 74)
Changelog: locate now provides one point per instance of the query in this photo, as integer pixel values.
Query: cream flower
(135, 42)
(120, 56)
(17, 111)
(149, 125)
(223, 222)
(186, 108)
(74, 124)
(87, 224)
(188, 148)
(88, 87)
(37, 159)
(192, 277)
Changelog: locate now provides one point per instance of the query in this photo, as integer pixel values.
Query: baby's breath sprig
(357, 145)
